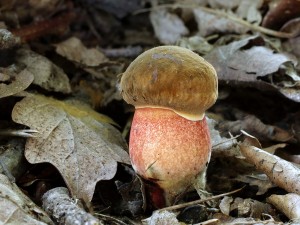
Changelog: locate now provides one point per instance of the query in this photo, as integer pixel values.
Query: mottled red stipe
(169, 150)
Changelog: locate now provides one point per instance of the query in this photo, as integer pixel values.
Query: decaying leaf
(262, 182)
(74, 50)
(119, 8)
(289, 204)
(196, 43)
(79, 142)
(291, 93)
(8, 40)
(17, 208)
(250, 10)
(233, 63)
(237, 221)
(225, 205)
(244, 207)
(168, 27)
(133, 200)
(244, 8)
(12, 160)
(221, 145)
(255, 126)
(162, 218)
(255, 67)
(46, 74)
(209, 24)
(13, 84)
(293, 45)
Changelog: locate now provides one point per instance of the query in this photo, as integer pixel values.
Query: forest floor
(64, 127)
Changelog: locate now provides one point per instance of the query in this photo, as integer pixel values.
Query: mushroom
(171, 88)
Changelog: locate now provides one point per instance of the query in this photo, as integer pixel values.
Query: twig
(110, 218)
(281, 172)
(179, 206)
(58, 203)
(209, 221)
(225, 15)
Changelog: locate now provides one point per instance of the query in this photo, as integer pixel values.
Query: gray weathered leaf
(18, 83)
(168, 27)
(46, 74)
(79, 142)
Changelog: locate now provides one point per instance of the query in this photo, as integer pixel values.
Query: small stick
(110, 218)
(58, 203)
(179, 206)
(281, 172)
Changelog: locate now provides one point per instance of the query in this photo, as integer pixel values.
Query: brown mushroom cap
(171, 77)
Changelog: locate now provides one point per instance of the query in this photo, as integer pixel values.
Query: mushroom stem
(169, 151)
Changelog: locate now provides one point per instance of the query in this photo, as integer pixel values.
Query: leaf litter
(254, 46)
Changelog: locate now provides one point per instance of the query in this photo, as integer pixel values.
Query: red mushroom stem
(170, 149)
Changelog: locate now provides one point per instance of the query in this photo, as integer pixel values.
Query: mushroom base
(169, 151)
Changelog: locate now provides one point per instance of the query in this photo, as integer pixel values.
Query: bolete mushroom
(171, 88)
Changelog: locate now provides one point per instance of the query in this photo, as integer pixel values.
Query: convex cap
(171, 77)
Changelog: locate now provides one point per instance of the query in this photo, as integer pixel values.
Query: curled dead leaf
(289, 204)
(74, 50)
(255, 66)
(15, 83)
(168, 27)
(46, 74)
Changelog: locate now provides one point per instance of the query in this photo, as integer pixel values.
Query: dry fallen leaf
(119, 8)
(17, 208)
(236, 64)
(168, 27)
(196, 43)
(223, 219)
(291, 93)
(262, 182)
(46, 74)
(162, 218)
(225, 205)
(74, 50)
(250, 10)
(209, 24)
(289, 204)
(14, 83)
(221, 145)
(79, 142)
(244, 207)
(255, 126)
(7, 39)
(293, 45)
(255, 66)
